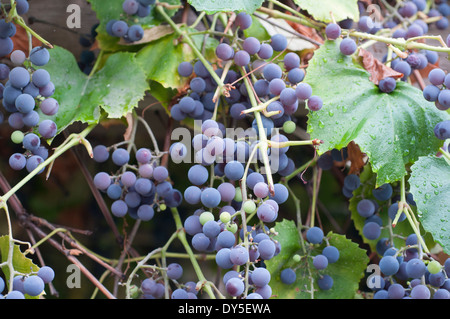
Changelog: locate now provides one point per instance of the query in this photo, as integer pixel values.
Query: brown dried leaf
(376, 68)
(152, 34)
(356, 158)
(128, 131)
(306, 31)
(20, 40)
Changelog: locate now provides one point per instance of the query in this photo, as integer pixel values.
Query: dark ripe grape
(31, 141)
(101, 153)
(272, 71)
(371, 230)
(6, 46)
(291, 60)
(436, 76)
(143, 10)
(332, 254)
(278, 42)
(130, 7)
(47, 129)
(260, 277)
(403, 67)
(348, 46)
(315, 103)
(33, 162)
(235, 287)
(224, 51)
(352, 182)
(251, 45)
(187, 104)
(413, 60)
(119, 208)
(242, 58)
(48, 90)
(261, 87)
(287, 96)
(135, 33)
(389, 265)
(387, 85)
(422, 24)
(288, 276)
(19, 77)
(396, 291)
(32, 90)
(17, 161)
(265, 51)
(442, 130)
(198, 174)
(4, 71)
(33, 285)
(384, 192)
(444, 98)
(333, 31)
(276, 86)
(15, 120)
(408, 10)
(314, 235)
(119, 28)
(303, 91)
(25, 103)
(320, 262)
(185, 69)
(365, 24)
(40, 78)
(296, 75)
(114, 191)
(365, 208)
(415, 268)
(102, 180)
(275, 106)
(414, 30)
(420, 4)
(176, 113)
(143, 155)
(7, 29)
(325, 282)
(243, 20)
(120, 156)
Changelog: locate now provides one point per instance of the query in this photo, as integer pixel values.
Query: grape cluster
(128, 30)
(135, 189)
(32, 284)
(27, 96)
(328, 255)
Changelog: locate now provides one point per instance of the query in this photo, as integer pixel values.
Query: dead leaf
(306, 31)
(151, 34)
(356, 158)
(20, 40)
(376, 68)
(129, 130)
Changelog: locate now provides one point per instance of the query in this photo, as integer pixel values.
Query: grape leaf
(340, 9)
(346, 272)
(401, 230)
(214, 6)
(20, 262)
(430, 186)
(114, 10)
(392, 129)
(115, 89)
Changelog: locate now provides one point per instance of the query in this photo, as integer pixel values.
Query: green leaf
(346, 272)
(401, 230)
(113, 10)
(341, 9)
(115, 89)
(430, 186)
(214, 6)
(160, 58)
(392, 129)
(20, 262)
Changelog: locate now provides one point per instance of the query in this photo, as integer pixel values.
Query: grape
(40, 78)
(243, 20)
(17, 161)
(119, 28)
(235, 287)
(224, 51)
(332, 254)
(49, 106)
(254, 178)
(179, 294)
(261, 190)
(19, 77)
(251, 45)
(265, 51)
(444, 98)
(160, 173)
(442, 130)
(46, 273)
(296, 75)
(431, 93)
(371, 230)
(333, 31)
(396, 291)
(15, 120)
(436, 76)
(303, 91)
(198, 174)
(133, 199)
(33, 285)
(315, 103)
(14, 294)
(33, 162)
(420, 292)
(387, 85)
(239, 255)
(314, 235)
(176, 113)
(392, 212)
(164, 188)
(272, 71)
(227, 191)
(320, 262)
(291, 61)
(276, 86)
(223, 259)
(31, 141)
(22, 6)
(325, 282)
(241, 58)
(441, 294)
(266, 213)
(143, 186)
(275, 106)
(192, 195)
(352, 182)
(437, 280)
(7, 29)
(234, 170)
(143, 155)
(128, 179)
(403, 67)
(266, 249)
(211, 229)
(135, 33)
(389, 265)
(287, 96)
(47, 129)
(174, 271)
(17, 57)
(278, 42)
(6, 46)
(17, 137)
(365, 208)
(226, 239)
(348, 46)
(260, 277)
(261, 87)
(185, 69)
(120, 156)
(25, 103)
(114, 191)
(4, 71)
(415, 268)
(281, 193)
(192, 225)
(442, 24)
(102, 180)
(198, 85)
(130, 6)
(210, 197)
(288, 276)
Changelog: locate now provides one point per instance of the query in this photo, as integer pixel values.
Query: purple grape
(303, 91)
(242, 58)
(265, 51)
(333, 31)
(185, 69)
(315, 103)
(243, 20)
(387, 85)
(251, 45)
(348, 46)
(48, 129)
(224, 51)
(278, 42)
(17, 161)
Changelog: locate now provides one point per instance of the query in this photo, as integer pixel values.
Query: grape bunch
(136, 188)
(319, 261)
(127, 29)
(27, 96)
(32, 284)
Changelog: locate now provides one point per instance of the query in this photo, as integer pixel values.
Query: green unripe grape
(162, 207)
(225, 217)
(296, 258)
(289, 127)
(249, 206)
(205, 217)
(238, 195)
(17, 137)
(232, 227)
(134, 292)
(434, 267)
